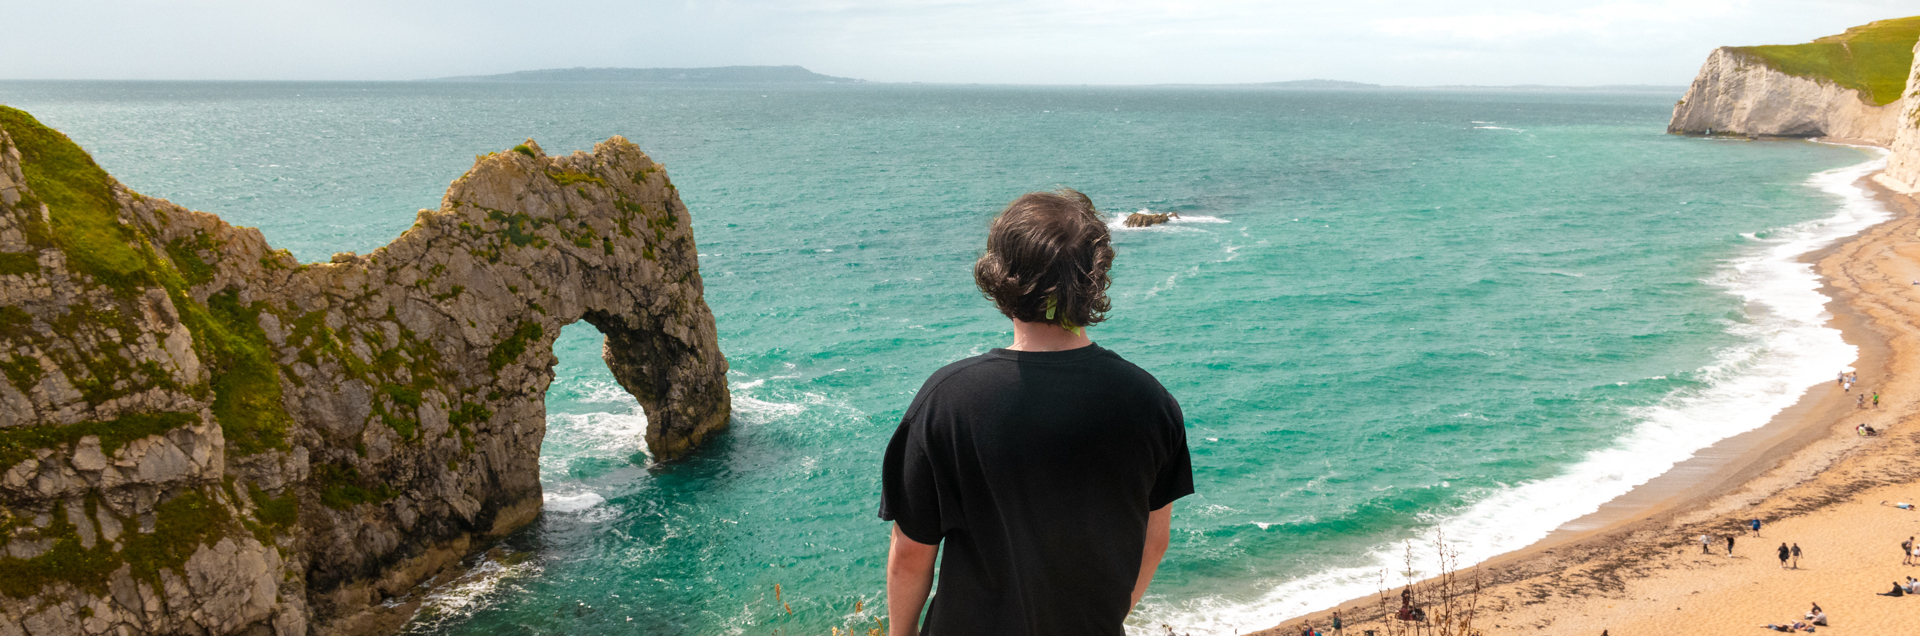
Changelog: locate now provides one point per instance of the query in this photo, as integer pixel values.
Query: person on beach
(1784, 555)
(1796, 565)
(1706, 543)
(1729, 545)
(1901, 505)
(1817, 615)
(1755, 524)
(1906, 551)
(1045, 471)
(1876, 399)
(1842, 381)
(1860, 401)
(1896, 592)
(1337, 629)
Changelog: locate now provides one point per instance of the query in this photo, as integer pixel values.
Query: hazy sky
(1411, 42)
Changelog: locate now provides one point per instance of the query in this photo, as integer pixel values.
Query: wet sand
(1635, 566)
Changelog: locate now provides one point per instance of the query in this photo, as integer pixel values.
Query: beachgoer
(1906, 551)
(1046, 471)
(1901, 505)
(1784, 554)
(1896, 592)
(1876, 399)
(1729, 545)
(1818, 618)
(1755, 524)
(1307, 630)
(1843, 379)
(1860, 401)
(1796, 564)
(1337, 629)
(1705, 541)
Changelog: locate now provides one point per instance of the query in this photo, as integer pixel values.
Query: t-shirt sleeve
(1176, 473)
(910, 489)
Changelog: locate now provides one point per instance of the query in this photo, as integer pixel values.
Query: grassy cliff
(1873, 58)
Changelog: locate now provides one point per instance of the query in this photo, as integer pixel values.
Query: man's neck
(1040, 336)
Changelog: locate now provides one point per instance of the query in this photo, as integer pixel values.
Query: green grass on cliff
(85, 224)
(181, 524)
(79, 195)
(1874, 59)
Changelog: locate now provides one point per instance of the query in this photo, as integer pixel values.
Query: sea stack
(200, 434)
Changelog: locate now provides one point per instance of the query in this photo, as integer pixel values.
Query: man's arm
(1159, 529)
(909, 579)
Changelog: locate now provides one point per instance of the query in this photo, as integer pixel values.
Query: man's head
(1047, 259)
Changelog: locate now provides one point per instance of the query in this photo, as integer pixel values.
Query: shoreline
(1750, 474)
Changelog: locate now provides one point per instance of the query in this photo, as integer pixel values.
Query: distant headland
(709, 75)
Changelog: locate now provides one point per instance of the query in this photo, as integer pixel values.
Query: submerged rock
(200, 434)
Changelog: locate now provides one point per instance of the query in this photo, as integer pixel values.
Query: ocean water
(1386, 314)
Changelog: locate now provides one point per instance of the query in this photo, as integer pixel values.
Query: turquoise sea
(1386, 313)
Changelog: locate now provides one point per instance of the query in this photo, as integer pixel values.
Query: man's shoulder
(943, 379)
(1126, 366)
(964, 367)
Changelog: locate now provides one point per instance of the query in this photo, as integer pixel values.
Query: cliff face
(199, 434)
(1903, 164)
(1737, 93)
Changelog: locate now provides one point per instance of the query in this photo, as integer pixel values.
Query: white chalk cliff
(1737, 93)
(1903, 166)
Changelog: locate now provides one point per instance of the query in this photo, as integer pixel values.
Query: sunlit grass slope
(1873, 58)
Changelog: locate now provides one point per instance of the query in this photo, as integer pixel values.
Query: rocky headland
(201, 435)
(1846, 86)
(1856, 87)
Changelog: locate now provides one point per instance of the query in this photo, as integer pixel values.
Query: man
(1046, 471)
(1784, 555)
(1796, 556)
(1706, 542)
(1906, 551)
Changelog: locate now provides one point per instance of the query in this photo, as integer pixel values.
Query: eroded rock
(281, 444)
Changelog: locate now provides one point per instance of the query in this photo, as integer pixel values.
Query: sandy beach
(1636, 566)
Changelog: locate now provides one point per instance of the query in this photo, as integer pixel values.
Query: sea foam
(1788, 349)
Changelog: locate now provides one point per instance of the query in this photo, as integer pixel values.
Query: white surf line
(1789, 350)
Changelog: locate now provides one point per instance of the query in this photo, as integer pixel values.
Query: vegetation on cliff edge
(1874, 59)
(86, 225)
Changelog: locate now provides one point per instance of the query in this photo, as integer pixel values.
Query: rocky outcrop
(1148, 219)
(201, 435)
(1903, 163)
(1737, 93)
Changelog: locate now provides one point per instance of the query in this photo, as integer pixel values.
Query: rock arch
(239, 441)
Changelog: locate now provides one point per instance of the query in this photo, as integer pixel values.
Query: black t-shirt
(1037, 470)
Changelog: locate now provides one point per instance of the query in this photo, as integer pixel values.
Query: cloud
(1608, 19)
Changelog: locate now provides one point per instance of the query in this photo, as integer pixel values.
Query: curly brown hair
(1048, 246)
